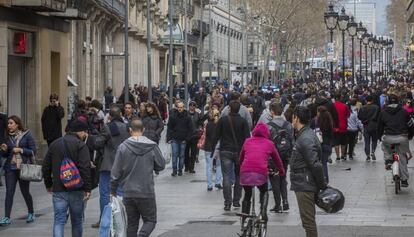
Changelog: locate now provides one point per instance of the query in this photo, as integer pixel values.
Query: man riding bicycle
(254, 168)
(392, 123)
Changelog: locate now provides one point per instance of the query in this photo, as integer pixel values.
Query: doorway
(16, 87)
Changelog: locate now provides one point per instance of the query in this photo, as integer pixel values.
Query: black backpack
(280, 137)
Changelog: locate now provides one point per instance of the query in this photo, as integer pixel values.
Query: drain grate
(407, 215)
(198, 181)
(212, 222)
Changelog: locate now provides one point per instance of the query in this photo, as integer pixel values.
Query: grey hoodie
(135, 161)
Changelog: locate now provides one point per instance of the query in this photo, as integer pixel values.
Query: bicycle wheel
(248, 231)
(262, 230)
(397, 185)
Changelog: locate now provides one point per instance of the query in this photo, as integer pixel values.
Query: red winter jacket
(257, 150)
(343, 115)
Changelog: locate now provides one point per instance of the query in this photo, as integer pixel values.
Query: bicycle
(395, 167)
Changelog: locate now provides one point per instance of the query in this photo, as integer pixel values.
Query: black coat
(153, 127)
(210, 135)
(3, 127)
(180, 126)
(52, 122)
(393, 121)
(78, 152)
(225, 136)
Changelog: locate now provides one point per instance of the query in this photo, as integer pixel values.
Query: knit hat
(78, 126)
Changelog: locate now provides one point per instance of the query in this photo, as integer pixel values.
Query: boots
(245, 211)
(264, 199)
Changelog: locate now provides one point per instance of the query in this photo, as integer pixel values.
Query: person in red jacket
(340, 132)
(254, 169)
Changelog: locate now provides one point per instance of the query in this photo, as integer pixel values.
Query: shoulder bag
(31, 172)
(233, 134)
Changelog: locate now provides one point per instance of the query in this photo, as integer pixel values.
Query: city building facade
(363, 10)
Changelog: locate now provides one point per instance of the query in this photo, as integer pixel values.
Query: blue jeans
(209, 170)
(62, 201)
(105, 189)
(230, 165)
(178, 149)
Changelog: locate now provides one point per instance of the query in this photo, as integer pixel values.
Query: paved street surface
(185, 208)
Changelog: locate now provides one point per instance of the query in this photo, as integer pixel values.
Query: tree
(396, 19)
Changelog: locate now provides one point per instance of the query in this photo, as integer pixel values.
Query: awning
(71, 82)
(207, 74)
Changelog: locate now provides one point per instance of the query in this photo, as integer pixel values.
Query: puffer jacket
(354, 124)
(27, 143)
(306, 174)
(256, 151)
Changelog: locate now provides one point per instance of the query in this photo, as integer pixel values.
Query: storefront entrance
(16, 89)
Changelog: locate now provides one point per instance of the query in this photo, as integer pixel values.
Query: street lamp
(352, 30)
(390, 46)
(376, 47)
(343, 20)
(381, 63)
(365, 41)
(360, 32)
(371, 43)
(331, 20)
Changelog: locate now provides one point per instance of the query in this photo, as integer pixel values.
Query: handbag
(31, 172)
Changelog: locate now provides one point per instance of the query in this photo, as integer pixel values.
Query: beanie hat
(78, 126)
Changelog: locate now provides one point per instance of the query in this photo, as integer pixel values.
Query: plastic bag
(106, 220)
(119, 218)
(331, 200)
(166, 153)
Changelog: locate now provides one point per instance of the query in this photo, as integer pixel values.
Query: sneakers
(373, 156)
(96, 225)
(330, 160)
(343, 158)
(218, 186)
(227, 207)
(276, 209)
(30, 218)
(368, 159)
(236, 204)
(351, 157)
(5, 221)
(192, 172)
(174, 173)
(180, 173)
(209, 189)
(338, 159)
(404, 183)
(285, 206)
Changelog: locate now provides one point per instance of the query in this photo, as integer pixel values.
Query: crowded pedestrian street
(185, 208)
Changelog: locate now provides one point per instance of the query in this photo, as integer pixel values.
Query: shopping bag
(119, 218)
(166, 153)
(106, 219)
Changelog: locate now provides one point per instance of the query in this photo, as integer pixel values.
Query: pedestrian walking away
(135, 161)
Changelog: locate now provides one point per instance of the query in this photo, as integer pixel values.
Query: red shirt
(343, 114)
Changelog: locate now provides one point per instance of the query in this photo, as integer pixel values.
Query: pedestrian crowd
(249, 137)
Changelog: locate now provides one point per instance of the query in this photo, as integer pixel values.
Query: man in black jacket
(52, 119)
(231, 131)
(392, 123)
(368, 115)
(191, 150)
(306, 173)
(179, 129)
(63, 199)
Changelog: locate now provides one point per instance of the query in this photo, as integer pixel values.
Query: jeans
(403, 149)
(12, 177)
(190, 154)
(178, 149)
(105, 189)
(326, 153)
(229, 165)
(306, 204)
(137, 208)
(62, 201)
(209, 170)
(370, 139)
(279, 187)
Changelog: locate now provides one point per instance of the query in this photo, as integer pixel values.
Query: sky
(381, 16)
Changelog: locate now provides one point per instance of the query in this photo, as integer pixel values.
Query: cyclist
(392, 123)
(254, 167)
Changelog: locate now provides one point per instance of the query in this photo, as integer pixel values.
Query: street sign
(330, 52)
(272, 65)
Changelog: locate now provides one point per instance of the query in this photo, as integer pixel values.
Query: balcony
(76, 10)
(179, 8)
(5, 3)
(41, 5)
(116, 7)
(197, 25)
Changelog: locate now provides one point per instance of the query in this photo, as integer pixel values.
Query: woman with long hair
(209, 148)
(19, 148)
(322, 124)
(152, 122)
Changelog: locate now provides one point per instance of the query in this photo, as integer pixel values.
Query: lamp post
(126, 53)
(343, 20)
(149, 55)
(170, 56)
(376, 45)
(331, 20)
(352, 30)
(371, 42)
(381, 63)
(360, 32)
(390, 46)
(365, 41)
